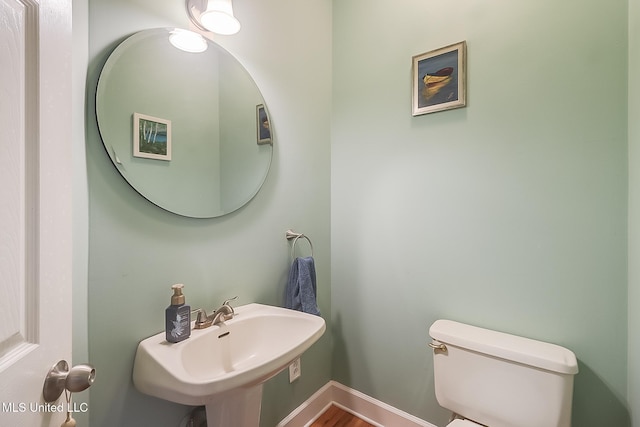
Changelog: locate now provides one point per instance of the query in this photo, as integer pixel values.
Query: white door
(35, 205)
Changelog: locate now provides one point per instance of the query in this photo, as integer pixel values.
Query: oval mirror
(188, 131)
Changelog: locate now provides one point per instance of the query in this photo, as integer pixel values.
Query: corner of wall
(633, 268)
(80, 195)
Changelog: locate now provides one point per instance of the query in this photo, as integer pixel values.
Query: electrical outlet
(294, 370)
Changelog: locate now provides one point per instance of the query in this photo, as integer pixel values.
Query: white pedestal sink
(224, 366)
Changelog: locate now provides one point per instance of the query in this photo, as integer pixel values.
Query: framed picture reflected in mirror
(151, 137)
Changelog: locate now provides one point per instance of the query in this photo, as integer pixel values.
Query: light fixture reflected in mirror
(213, 15)
(188, 41)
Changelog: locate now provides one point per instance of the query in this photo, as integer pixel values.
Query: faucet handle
(201, 316)
(229, 311)
(229, 300)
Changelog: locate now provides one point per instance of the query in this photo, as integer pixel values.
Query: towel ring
(291, 235)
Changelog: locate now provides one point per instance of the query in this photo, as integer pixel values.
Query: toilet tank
(502, 380)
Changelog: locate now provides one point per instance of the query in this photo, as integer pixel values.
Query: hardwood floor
(336, 417)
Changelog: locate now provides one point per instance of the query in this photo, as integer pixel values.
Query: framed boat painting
(439, 79)
(262, 123)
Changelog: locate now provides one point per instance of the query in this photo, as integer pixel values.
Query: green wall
(136, 250)
(508, 214)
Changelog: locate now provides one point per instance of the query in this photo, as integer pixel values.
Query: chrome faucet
(224, 313)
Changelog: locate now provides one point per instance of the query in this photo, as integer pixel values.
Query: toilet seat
(462, 423)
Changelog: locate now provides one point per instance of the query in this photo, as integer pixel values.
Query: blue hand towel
(301, 287)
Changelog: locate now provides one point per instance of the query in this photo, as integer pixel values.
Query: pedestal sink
(224, 366)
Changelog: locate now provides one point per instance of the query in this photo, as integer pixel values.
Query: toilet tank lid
(527, 351)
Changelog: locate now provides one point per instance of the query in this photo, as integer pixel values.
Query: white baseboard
(366, 407)
(310, 409)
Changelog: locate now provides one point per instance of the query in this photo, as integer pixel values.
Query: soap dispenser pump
(178, 316)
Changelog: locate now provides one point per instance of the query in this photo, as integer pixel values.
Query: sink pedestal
(237, 408)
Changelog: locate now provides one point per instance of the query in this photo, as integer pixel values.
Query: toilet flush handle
(436, 346)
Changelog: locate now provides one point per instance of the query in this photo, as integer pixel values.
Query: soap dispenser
(178, 316)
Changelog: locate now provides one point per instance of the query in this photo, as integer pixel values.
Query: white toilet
(489, 378)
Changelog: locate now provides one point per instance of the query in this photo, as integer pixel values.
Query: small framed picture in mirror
(151, 137)
(263, 126)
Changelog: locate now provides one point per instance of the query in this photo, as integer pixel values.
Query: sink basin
(241, 353)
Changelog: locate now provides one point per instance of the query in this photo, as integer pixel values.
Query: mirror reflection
(188, 130)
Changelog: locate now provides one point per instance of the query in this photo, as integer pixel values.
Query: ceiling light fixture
(215, 16)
